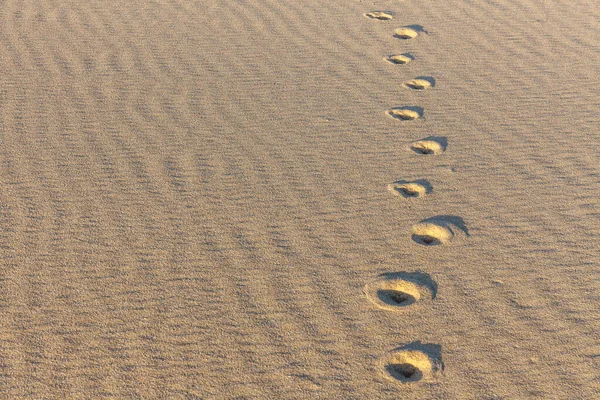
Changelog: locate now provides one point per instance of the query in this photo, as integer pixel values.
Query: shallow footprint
(420, 83)
(412, 363)
(399, 58)
(431, 145)
(405, 113)
(406, 189)
(396, 291)
(380, 15)
(406, 33)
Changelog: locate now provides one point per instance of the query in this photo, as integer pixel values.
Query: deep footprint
(380, 15)
(412, 363)
(397, 291)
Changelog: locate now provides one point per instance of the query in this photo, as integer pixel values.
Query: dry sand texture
(193, 198)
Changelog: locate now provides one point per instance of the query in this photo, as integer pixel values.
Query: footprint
(405, 33)
(430, 145)
(400, 58)
(431, 234)
(406, 113)
(412, 363)
(380, 15)
(406, 189)
(420, 83)
(408, 32)
(438, 230)
(396, 291)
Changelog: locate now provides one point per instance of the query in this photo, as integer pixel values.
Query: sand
(194, 199)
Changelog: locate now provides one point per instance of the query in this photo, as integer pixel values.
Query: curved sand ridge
(173, 220)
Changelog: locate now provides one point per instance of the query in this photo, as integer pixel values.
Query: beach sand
(216, 199)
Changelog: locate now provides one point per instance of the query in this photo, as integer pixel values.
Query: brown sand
(193, 198)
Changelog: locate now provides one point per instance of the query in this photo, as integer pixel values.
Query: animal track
(430, 145)
(380, 15)
(400, 58)
(420, 83)
(406, 113)
(407, 189)
(406, 33)
(395, 291)
(412, 363)
(438, 230)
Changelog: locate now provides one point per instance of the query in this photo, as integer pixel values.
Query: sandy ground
(210, 200)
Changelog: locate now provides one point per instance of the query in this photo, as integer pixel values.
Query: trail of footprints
(406, 291)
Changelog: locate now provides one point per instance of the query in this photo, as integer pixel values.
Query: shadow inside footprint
(427, 240)
(438, 230)
(410, 189)
(404, 58)
(406, 113)
(420, 83)
(413, 362)
(380, 15)
(405, 372)
(398, 290)
(396, 297)
(409, 32)
(430, 145)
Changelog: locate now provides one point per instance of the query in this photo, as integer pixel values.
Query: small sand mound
(403, 114)
(405, 33)
(380, 15)
(431, 234)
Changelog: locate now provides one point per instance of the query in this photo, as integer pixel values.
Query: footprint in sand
(420, 83)
(412, 363)
(380, 15)
(438, 230)
(405, 113)
(408, 32)
(410, 190)
(397, 291)
(431, 145)
(400, 58)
